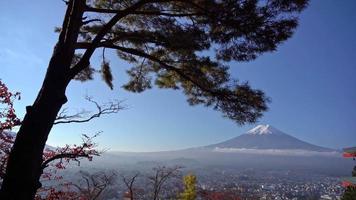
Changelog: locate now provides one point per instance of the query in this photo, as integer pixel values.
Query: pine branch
(155, 13)
(90, 21)
(154, 59)
(85, 61)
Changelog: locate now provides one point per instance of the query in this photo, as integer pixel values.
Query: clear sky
(311, 80)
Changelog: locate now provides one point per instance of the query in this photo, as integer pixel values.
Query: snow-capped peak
(263, 130)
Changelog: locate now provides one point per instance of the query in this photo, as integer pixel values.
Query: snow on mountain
(264, 130)
(266, 137)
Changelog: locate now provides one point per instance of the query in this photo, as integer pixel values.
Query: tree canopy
(169, 43)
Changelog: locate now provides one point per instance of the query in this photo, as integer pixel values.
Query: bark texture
(24, 166)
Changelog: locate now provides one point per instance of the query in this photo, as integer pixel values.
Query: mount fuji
(263, 147)
(266, 137)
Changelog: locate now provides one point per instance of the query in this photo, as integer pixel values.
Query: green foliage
(167, 43)
(350, 194)
(139, 79)
(84, 75)
(190, 191)
(106, 74)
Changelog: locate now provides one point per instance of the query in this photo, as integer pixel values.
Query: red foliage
(8, 118)
(65, 193)
(53, 160)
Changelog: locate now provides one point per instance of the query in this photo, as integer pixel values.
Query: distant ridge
(13, 134)
(267, 137)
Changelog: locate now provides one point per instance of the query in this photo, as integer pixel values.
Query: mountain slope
(267, 137)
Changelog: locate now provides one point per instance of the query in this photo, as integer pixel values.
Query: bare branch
(162, 175)
(95, 184)
(81, 117)
(129, 184)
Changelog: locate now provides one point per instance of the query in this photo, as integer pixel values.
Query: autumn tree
(54, 159)
(350, 191)
(164, 41)
(8, 119)
(190, 190)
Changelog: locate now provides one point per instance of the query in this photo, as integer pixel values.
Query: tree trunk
(24, 165)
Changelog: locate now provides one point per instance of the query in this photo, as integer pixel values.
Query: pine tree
(164, 41)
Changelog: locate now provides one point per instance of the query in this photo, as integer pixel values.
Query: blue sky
(311, 80)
